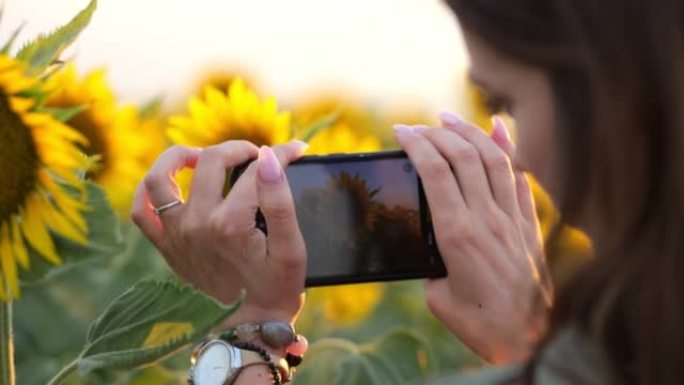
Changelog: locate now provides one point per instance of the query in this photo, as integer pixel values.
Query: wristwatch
(218, 363)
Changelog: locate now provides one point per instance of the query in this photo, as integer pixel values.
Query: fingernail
(419, 128)
(299, 347)
(269, 168)
(500, 131)
(450, 118)
(299, 145)
(402, 129)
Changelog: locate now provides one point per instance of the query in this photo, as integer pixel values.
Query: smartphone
(364, 218)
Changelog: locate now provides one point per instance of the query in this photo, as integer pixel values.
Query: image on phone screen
(361, 219)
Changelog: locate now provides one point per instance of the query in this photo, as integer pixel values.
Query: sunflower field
(86, 299)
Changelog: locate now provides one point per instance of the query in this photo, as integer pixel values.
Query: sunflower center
(86, 124)
(255, 134)
(19, 161)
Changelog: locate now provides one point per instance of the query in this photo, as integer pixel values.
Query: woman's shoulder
(570, 358)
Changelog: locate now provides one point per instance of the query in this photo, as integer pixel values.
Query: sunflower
(359, 194)
(39, 157)
(124, 141)
(237, 113)
(341, 139)
(355, 129)
(141, 139)
(221, 77)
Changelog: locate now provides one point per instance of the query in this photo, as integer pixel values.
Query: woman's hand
(212, 243)
(497, 293)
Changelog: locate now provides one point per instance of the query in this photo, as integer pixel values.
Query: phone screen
(363, 219)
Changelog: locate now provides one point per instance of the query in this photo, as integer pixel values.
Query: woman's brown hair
(616, 68)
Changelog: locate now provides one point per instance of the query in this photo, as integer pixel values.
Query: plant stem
(64, 373)
(7, 375)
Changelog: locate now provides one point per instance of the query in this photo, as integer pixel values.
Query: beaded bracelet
(277, 379)
(274, 333)
(292, 360)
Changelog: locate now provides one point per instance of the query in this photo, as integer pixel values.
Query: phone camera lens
(408, 167)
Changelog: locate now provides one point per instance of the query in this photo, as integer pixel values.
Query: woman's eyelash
(491, 102)
(495, 105)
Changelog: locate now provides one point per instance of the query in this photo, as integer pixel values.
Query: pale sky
(391, 51)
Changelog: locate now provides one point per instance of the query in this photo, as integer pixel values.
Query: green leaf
(319, 125)
(409, 348)
(38, 94)
(45, 49)
(157, 375)
(152, 107)
(104, 236)
(64, 114)
(149, 321)
(10, 43)
(397, 358)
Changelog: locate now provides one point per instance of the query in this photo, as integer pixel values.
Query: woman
(595, 88)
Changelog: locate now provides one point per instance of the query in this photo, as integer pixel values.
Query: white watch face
(213, 366)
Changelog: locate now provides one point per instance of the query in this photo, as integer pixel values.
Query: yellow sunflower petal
(215, 99)
(282, 128)
(70, 207)
(13, 82)
(6, 64)
(9, 266)
(198, 108)
(67, 175)
(62, 156)
(36, 234)
(21, 104)
(61, 131)
(19, 248)
(58, 222)
(3, 293)
(189, 135)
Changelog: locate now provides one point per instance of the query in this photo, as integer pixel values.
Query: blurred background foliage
(365, 333)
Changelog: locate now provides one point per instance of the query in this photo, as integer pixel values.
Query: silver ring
(164, 207)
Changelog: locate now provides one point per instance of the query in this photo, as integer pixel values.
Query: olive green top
(569, 359)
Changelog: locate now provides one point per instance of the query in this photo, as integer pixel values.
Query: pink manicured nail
(449, 118)
(299, 347)
(269, 168)
(500, 131)
(402, 129)
(419, 128)
(301, 146)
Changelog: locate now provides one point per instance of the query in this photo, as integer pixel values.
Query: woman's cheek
(534, 151)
